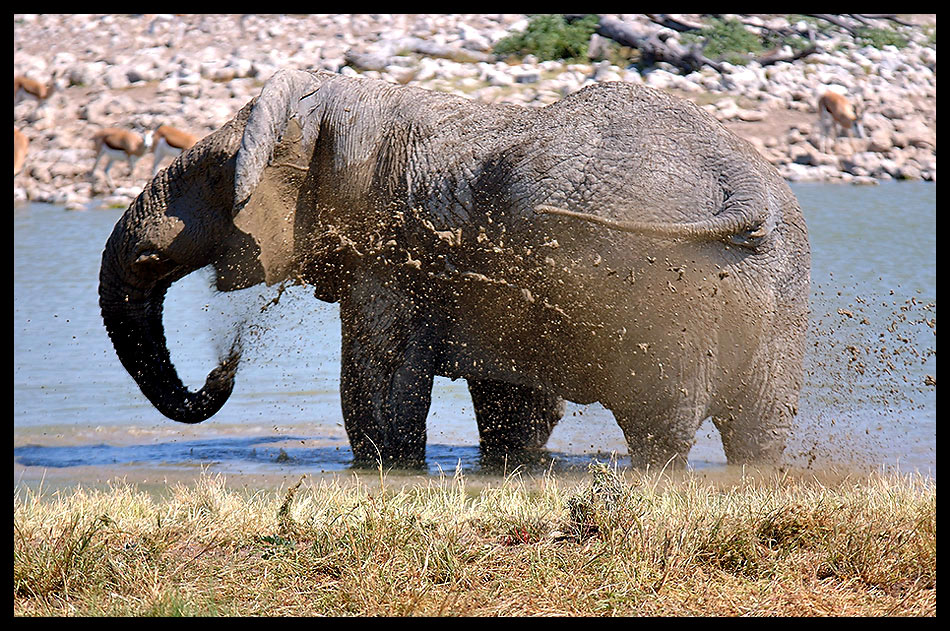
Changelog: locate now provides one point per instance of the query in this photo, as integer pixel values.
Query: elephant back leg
(756, 420)
(386, 375)
(659, 436)
(513, 420)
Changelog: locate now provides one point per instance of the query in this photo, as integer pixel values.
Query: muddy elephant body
(618, 246)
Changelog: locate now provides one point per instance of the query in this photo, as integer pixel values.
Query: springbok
(20, 144)
(118, 144)
(835, 110)
(168, 141)
(26, 88)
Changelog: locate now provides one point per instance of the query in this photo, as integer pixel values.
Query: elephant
(617, 246)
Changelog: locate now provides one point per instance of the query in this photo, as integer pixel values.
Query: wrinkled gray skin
(618, 246)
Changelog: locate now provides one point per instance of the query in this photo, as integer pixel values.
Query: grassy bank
(611, 544)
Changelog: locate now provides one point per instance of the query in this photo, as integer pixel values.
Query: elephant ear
(270, 172)
(268, 215)
(287, 95)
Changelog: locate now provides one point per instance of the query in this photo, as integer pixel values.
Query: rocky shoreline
(196, 71)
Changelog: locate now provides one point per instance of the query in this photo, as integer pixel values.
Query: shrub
(879, 37)
(550, 36)
(728, 40)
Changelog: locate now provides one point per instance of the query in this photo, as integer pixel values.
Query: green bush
(550, 36)
(879, 37)
(727, 40)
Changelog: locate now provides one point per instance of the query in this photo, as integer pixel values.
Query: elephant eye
(150, 263)
(146, 257)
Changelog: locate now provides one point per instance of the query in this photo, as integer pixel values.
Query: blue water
(866, 401)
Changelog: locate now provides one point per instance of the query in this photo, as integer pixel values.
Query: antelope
(168, 141)
(118, 144)
(20, 144)
(835, 110)
(26, 88)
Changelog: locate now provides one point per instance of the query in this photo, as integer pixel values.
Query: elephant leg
(756, 415)
(386, 378)
(513, 419)
(749, 437)
(756, 424)
(659, 437)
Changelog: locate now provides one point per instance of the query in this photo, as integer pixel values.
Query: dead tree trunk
(652, 46)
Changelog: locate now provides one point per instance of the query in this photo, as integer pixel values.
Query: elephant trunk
(133, 319)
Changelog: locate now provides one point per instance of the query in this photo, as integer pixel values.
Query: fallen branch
(675, 22)
(834, 19)
(776, 56)
(655, 47)
(780, 31)
(882, 16)
(652, 46)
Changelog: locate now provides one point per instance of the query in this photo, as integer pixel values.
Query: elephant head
(187, 219)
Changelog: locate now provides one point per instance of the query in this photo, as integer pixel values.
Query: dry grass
(614, 545)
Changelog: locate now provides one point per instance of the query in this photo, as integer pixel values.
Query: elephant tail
(744, 228)
(280, 101)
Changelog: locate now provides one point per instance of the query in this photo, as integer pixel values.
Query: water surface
(866, 402)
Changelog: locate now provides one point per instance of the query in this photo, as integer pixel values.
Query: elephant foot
(652, 453)
(657, 441)
(364, 459)
(757, 421)
(386, 427)
(505, 461)
(514, 422)
(751, 439)
(386, 378)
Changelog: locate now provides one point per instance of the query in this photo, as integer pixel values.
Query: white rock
(661, 79)
(526, 76)
(498, 78)
(116, 78)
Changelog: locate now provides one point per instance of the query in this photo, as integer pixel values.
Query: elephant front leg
(513, 420)
(386, 379)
